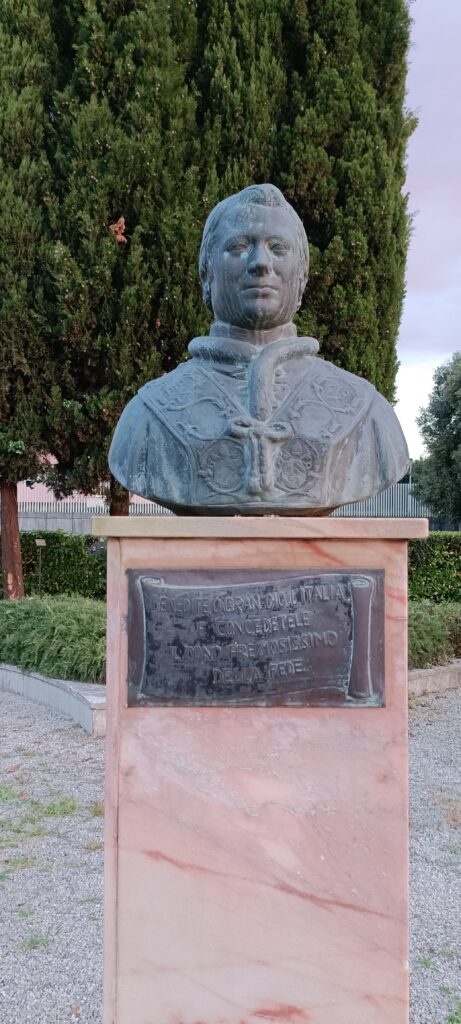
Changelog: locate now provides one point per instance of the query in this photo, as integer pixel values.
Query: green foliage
(310, 95)
(61, 637)
(122, 124)
(68, 565)
(437, 478)
(434, 567)
(27, 70)
(434, 633)
(64, 637)
(61, 808)
(124, 219)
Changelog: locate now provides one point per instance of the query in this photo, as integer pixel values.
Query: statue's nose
(259, 262)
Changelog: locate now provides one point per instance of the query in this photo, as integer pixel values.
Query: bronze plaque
(250, 637)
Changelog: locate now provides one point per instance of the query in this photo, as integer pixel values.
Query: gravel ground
(435, 859)
(51, 787)
(51, 860)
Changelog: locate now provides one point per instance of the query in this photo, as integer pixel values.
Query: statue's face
(255, 273)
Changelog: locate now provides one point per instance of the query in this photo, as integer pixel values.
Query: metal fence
(396, 501)
(87, 507)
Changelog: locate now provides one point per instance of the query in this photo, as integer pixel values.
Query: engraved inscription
(255, 638)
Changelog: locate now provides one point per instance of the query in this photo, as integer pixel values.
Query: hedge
(71, 564)
(77, 564)
(434, 568)
(434, 633)
(63, 637)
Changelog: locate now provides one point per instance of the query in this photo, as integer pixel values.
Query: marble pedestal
(256, 858)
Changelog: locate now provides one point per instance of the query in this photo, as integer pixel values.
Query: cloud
(432, 309)
(431, 323)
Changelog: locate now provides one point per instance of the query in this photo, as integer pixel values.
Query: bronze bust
(255, 423)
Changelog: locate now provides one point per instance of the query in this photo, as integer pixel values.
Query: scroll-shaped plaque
(256, 638)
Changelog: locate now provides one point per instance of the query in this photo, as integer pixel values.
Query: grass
(97, 809)
(31, 823)
(454, 1017)
(37, 940)
(61, 808)
(451, 808)
(13, 863)
(62, 636)
(12, 833)
(7, 792)
(426, 961)
(94, 846)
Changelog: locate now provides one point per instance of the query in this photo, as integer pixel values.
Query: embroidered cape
(243, 429)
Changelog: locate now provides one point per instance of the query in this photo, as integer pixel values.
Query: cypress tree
(164, 108)
(126, 223)
(310, 95)
(242, 80)
(26, 366)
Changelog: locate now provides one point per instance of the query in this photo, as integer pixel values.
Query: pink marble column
(256, 858)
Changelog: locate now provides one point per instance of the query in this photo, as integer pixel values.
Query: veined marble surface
(257, 858)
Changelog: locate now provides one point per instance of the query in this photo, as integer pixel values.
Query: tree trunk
(119, 499)
(13, 585)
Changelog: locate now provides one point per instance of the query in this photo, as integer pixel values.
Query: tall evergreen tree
(159, 110)
(26, 370)
(126, 222)
(241, 77)
(310, 95)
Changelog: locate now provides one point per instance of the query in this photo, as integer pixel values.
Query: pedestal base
(257, 857)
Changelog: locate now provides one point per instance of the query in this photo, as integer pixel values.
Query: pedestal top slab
(279, 527)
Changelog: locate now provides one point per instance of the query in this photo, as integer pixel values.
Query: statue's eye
(237, 247)
(279, 248)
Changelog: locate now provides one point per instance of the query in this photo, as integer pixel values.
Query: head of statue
(254, 259)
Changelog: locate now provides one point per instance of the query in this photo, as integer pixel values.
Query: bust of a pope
(255, 422)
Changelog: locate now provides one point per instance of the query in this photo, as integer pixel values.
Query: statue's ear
(206, 293)
(302, 285)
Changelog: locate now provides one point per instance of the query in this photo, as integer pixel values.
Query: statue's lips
(259, 288)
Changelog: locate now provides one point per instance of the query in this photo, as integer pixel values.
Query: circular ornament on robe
(222, 465)
(315, 419)
(337, 395)
(296, 464)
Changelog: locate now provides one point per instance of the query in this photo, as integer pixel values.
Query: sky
(430, 332)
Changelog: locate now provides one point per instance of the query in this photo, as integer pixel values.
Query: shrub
(434, 567)
(63, 637)
(434, 633)
(68, 564)
(77, 565)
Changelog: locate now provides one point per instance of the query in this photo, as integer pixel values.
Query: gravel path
(51, 859)
(51, 787)
(435, 859)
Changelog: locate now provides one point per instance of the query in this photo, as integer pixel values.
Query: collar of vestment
(227, 343)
